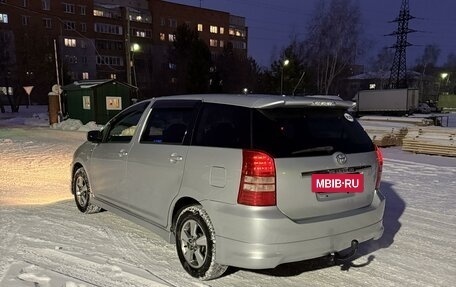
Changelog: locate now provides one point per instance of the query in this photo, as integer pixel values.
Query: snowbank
(76, 125)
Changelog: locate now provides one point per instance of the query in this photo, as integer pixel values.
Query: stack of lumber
(412, 121)
(390, 131)
(385, 136)
(430, 140)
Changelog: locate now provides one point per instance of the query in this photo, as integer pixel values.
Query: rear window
(300, 132)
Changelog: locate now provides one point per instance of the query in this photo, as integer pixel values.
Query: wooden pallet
(386, 136)
(431, 140)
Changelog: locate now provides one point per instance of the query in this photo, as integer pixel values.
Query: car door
(108, 161)
(156, 164)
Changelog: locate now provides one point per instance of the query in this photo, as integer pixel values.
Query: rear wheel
(82, 193)
(195, 244)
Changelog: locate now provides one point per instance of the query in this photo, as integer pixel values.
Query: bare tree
(333, 40)
(429, 58)
(384, 60)
(425, 65)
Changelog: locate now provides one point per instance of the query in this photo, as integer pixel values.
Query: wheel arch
(74, 168)
(182, 203)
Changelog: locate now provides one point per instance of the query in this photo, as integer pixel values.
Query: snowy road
(45, 241)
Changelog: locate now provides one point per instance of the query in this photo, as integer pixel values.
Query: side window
(223, 126)
(123, 126)
(170, 122)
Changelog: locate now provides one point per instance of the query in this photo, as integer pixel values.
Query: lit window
(372, 86)
(3, 18)
(85, 76)
(162, 36)
(214, 29)
(171, 37)
(141, 34)
(231, 32)
(85, 99)
(114, 103)
(70, 42)
(97, 13)
(113, 76)
(222, 30)
(213, 43)
(200, 27)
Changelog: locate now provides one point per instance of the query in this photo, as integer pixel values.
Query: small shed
(96, 100)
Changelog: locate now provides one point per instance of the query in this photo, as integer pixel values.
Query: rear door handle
(123, 153)
(174, 158)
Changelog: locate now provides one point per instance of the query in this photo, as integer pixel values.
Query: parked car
(434, 108)
(251, 181)
(423, 108)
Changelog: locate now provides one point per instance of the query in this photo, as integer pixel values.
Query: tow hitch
(337, 257)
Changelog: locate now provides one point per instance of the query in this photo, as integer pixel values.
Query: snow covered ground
(45, 241)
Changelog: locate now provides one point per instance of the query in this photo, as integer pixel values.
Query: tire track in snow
(89, 270)
(140, 251)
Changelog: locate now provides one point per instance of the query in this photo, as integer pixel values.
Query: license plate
(337, 182)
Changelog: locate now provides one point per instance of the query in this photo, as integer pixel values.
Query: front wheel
(195, 244)
(82, 193)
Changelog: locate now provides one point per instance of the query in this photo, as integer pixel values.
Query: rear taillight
(258, 179)
(379, 166)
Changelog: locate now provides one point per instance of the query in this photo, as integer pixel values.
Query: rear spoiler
(309, 101)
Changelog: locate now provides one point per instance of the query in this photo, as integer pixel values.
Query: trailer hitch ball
(337, 257)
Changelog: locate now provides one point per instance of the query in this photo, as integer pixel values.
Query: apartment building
(100, 39)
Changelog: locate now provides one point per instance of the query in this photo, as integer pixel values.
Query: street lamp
(284, 64)
(445, 78)
(135, 47)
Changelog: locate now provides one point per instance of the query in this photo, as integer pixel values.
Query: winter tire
(82, 193)
(195, 244)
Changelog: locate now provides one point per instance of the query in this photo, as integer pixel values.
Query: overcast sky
(271, 23)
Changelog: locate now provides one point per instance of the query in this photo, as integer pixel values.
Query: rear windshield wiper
(327, 148)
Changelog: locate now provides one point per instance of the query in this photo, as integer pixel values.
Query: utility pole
(398, 76)
(128, 47)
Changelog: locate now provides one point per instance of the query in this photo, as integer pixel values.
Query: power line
(398, 75)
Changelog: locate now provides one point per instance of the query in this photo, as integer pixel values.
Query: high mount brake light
(258, 179)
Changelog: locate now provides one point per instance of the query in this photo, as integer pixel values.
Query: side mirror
(94, 136)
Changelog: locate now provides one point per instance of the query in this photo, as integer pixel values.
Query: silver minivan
(251, 181)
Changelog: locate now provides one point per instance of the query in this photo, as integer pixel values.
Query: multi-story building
(98, 39)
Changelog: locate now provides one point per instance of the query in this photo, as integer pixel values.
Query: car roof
(262, 101)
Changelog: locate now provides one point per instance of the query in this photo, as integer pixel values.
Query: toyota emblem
(341, 158)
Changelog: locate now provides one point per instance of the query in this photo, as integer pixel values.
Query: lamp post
(284, 64)
(135, 47)
(444, 76)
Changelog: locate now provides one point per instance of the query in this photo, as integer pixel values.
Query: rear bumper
(259, 238)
